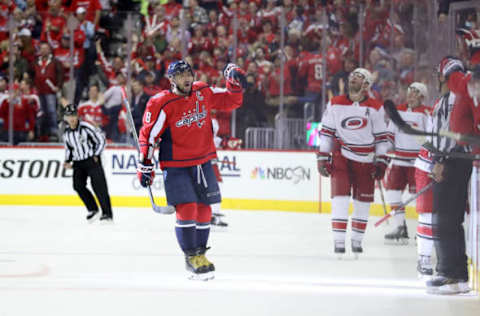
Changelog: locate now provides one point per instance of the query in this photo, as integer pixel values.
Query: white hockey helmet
(422, 88)
(367, 75)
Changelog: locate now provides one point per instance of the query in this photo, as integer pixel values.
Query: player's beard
(183, 90)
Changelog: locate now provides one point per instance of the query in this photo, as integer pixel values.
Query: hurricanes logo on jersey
(354, 122)
(193, 116)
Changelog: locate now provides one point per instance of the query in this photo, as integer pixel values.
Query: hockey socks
(340, 217)
(361, 211)
(424, 235)
(193, 225)
(204, 214)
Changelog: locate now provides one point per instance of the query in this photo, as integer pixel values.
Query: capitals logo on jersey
(196, 116)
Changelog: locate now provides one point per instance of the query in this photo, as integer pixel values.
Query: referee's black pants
(449, 204)
(89, 168)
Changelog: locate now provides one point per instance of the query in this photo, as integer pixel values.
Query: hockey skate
(198, 266)
(210, 266)
(106, 219)
(217, 220)
(92, 216)
(398, 235)
(447, 286)
(356, 248)
(339, 249)
(424, 267)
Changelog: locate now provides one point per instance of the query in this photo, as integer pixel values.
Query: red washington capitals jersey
(184, 124)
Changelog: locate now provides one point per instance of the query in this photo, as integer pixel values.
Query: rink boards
(253, 180)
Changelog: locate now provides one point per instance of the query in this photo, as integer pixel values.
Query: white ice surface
(268, 263)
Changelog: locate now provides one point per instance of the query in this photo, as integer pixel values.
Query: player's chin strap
(169, 209)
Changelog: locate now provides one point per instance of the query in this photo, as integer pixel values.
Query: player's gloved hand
(449, 65)
(324, 164)
(145, 173)
(235, 77)
(380, 165)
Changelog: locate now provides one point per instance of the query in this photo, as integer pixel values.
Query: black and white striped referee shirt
(83, 142)
(441, 121)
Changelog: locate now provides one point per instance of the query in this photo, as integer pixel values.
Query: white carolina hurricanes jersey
(360, 128)
(406, 147)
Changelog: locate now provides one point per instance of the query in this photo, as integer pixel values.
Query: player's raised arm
(231, 97)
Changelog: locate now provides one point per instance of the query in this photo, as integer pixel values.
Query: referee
(83, 145)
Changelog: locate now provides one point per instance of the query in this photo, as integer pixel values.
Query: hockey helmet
(178, 67)
(367, 75)
(422, 88)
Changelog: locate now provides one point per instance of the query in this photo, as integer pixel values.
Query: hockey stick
(413, 197)
(457, 155)
(382, 195)
(392, 112)
(169, 209)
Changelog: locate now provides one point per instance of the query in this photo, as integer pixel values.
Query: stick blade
(165, 210)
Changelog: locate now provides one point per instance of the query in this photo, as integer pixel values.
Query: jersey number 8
(148, 116)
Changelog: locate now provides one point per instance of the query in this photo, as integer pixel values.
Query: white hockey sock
(394, 199)
(215, 208)
(424, 235)
(361, 211)
(340, 217)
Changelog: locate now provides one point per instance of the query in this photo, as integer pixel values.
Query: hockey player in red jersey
(357, 122)
(181, 118)
(406, 148)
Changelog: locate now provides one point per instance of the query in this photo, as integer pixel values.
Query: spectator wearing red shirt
(48, 78)
(267, 37)
(23, 118)
(85, 70)
(206, 65)
(273, 81)
(214, 22)
(92, 7)
(270, 13)
(110, 69)
(151, 88)
(53, 25)
(199, 42)
(62, 54)
(92, 109)
(6, 9)
(311, 72)
(27, 45)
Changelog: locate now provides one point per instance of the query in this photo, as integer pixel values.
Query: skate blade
(450, 289)
(356, 255)
(396, 242)
(201, 277)
(217, 228)
(340, 256)
(94, 218)
(424, 277)
(108, 222)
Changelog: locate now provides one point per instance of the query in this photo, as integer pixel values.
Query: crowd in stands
(47, 76)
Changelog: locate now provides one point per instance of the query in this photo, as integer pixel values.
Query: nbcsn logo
(258, 173)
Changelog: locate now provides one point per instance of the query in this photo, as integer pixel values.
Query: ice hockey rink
(52, 262)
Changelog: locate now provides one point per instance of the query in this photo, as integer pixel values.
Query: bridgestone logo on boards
(32, 169)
